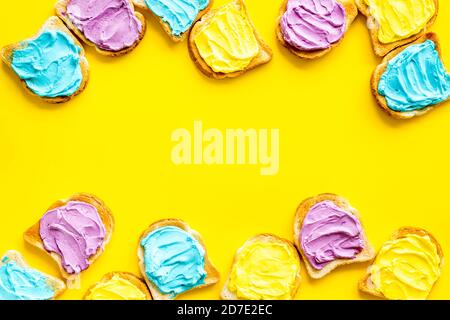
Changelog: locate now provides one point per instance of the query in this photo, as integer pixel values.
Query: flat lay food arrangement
(91, 93)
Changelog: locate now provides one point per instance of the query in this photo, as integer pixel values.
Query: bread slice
(381, 68)
(141, 5)
(57, 285)
(212, 275)
(381, 49)
(32, 235)
(366, 254)
(264, 56)
(53, 23)
(138, 282)
(227, 294)
(61, 12)
(366, 285)
(351, 12)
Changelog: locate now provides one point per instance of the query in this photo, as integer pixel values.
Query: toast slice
(212, 275)
(227, 294)
(382, 49)
(136, 281)
(367, 286)
(55, 284)
(142, 6)
(366, 254)
(61, 12)
(351, 12)
(381, 68)
(33, 237)
(53, 23)
(263, 57)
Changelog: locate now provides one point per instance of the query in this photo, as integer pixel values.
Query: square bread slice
(135, 280)
(303, 209)
(264, 56)
(141, 5)
(227, 294)
(381, 68)
(382, 49)
(32, 235)
(212, 275)
(351, 12)
(61, 12)
(58, 287)
(367, 286)
(53, 23)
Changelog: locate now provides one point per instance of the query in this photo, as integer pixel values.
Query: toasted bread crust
(382, 49)
(264, 56)
(381, 68)
(212, 275)
(61, 12)
(366, 254)
(365, 284)
(351, 13)
(135, 280)
(32, 235)
(56, 284)
(140, 5)
(226, 294)
(53, 23)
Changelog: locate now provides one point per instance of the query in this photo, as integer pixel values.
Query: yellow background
(114, 141)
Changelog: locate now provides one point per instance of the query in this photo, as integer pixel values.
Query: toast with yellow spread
(119, 286)
(406, 267)
(393, 24)
(225, 44)
(266, 267)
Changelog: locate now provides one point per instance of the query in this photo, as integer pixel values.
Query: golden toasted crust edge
(264, 56)
(61, 12)
(56, 284)
(365, 285)
(212, 275)
(140, 5)
(226, 294)
(32, 235)
(351, 13)
(52, 23)
(380, 69)
(366, 254)
(382, 49)
(137, 281)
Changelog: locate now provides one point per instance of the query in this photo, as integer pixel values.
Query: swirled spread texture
(227, 42)
(178, 14)
(328, 233)
(75, 232)
(174, 260)
(406, 268)
(49, 64)
(116, 288)
(313, 24)
(400, 19)
(265, 271)
(109, 24)
(23, 283)
(414, 79)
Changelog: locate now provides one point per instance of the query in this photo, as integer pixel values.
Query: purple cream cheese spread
(329, 233)
(75, 232)
(109, 24)
(310, 25)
